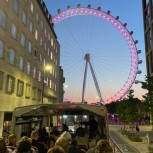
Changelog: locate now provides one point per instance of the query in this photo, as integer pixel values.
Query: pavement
(146, 134)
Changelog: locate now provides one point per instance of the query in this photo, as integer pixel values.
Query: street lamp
(46, 67)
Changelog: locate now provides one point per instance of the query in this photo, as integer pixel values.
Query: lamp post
(46, 67)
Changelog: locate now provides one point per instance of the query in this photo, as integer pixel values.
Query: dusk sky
(110, 55)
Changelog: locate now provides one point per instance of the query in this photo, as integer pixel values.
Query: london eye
(113, 54)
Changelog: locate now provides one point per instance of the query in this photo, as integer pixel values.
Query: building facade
(147, 6)
(30, 71)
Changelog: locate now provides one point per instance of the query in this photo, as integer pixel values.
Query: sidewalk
(145, 133)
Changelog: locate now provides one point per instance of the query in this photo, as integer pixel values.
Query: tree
(148, 97)
(128, 109)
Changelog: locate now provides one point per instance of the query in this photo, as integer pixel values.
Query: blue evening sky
(80, 35)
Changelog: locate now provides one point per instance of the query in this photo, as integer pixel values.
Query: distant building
(148, 33)
(28, 44)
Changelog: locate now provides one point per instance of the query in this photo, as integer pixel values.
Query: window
(22, 40)
(21, 63)
(20, 86)
(42, 24)
(48, 51)
(35, 53)
(13, 30)
(28, 90)
(28, 68)
(148, 40)
(36, 34)
(46, 81)
(45, 32)
(50, 83)
(10, 84)
(1, 49)
(1, 79)
(34, 93)
(37, 16)
(39, 76)
(51, 55)
(24, 17)
(56, 50)
(11, 56)
(32, 7)
(55, 86)
(147, 17)
(30, 27)
(2, 19)
(41, 41)
(52, 42)
(40, 58)
(29, 47)
(34, 72)
(16, 6)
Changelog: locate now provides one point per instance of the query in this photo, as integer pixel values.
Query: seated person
(81, 138)
(24, 146)
(56, 149)
(102, 146)
(74, 148)
(64, 143)
(3, 147)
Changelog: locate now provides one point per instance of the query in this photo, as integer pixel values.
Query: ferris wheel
(84, 32)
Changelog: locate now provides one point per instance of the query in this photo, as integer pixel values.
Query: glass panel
(11, 56)
(24, 17)
(16, 6)
(22, 40)
(148, 40)
(13, 30)
(20, 88)
(1, 49)
(28, 68)
(34, 72)
(30, 27)
(29, 46)
(21, 63)
(2, 19)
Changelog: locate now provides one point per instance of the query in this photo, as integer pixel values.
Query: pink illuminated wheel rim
(126, 35)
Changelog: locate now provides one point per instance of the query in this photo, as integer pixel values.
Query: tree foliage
(129, 109)
(148, 97)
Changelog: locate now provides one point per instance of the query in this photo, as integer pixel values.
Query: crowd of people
(55, 142)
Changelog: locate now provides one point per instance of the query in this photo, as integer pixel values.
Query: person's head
(12, 140)
(23, 145)
(65, 127)
(80, 132)
(67, 135)
(3, 148)
(63, 142)
(56, 149)
(103, 146)
(34, 135)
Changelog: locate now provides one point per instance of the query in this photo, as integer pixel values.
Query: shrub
(134, 137)
(150, 149)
